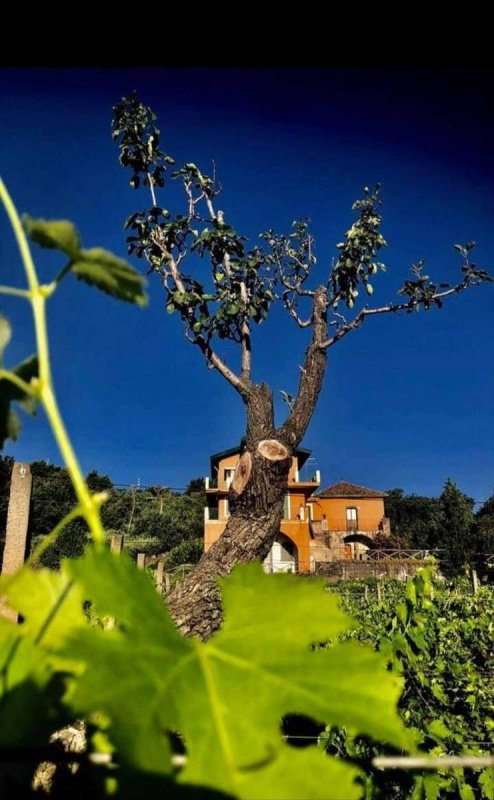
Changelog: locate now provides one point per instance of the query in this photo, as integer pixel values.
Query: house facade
(345, 520)
(338, 523)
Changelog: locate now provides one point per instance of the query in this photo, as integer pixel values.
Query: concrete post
(159, 576)
(117, 541)
(15, 549)
(141, 560)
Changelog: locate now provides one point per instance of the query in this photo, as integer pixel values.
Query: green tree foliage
(162, 518)
(483, 530)
(52, 498)
(196, 488)
(188, 552)
(446, 523)
(455, 531)
(414, 519)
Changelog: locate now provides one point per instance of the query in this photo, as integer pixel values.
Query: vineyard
(439, 638)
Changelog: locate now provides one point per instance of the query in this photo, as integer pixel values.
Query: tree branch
(245, 336)
(215, 361)
(311, 375)
(238, 383)
(409, 306)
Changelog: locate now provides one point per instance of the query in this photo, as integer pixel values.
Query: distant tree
(97, 482)
(483, 531)
(487, 509)
(188, 552)
(221, 288)
(52, 498)
(455, 531)
(196, 487)
(119, 512)
(180, 520)
(414, 519)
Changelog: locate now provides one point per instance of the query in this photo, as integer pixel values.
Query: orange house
(291, 549)
(338, 523)
(345, 519)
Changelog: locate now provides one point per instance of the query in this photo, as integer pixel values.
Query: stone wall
(355, 570)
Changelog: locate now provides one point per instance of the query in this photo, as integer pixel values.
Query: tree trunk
(257, 510)
(255, 521)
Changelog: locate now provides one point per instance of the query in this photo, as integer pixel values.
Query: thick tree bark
(254, 522)
(257, 510)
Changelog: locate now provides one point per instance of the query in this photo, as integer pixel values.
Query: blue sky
(407, 400)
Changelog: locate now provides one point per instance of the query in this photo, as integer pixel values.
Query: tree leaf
(9, 421)
(59, 234)
(227, 696)
(112, 275)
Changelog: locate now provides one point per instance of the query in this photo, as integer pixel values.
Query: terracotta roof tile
(346, 489)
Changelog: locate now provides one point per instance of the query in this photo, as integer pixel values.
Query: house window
(227, 509)
(286, 507)
(228, 477)
(351, 519)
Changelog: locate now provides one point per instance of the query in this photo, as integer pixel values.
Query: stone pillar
(386, 526)
(116, 542)
(141, 560)
(15, 549)
(159, 576)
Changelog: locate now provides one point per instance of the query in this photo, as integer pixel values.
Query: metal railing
(401, 555)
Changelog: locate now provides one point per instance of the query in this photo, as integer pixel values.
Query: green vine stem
(42, 388)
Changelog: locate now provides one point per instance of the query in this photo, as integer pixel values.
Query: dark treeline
(448, 522)
(153, 520)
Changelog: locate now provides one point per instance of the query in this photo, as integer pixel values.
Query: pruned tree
(221, 287)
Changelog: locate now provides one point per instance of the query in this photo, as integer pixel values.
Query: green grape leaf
(112, 275)
(49, 602)
(227, 696)
(432, 785)
(5, 334)
(9, 421)
(466, 791)
(59, 234)
(486, 783)
(438, 730)
(308, 774)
